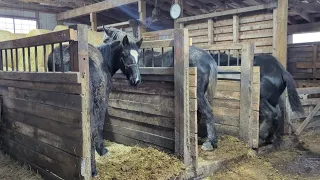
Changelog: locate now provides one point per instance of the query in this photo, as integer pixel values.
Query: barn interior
(296, 158)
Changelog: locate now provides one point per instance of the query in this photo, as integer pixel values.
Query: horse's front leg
(268, 115)
(100, 125)
(205, 113)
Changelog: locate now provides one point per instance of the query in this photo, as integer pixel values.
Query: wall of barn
(254, 27)
(45, 20)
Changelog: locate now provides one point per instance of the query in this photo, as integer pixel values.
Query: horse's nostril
(139, 81)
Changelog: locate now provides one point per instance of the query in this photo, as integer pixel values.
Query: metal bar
(44, 58)
(162, 51)
(143, 58)
(29, 59)
(53, 59)
(24, 59)
(12, 64)
(238, 55)
(17, 59)
(36, 57)
(152, 58)
(218, 58)
(61, 57)
(1, 60)
(228, 57)
(6, 59)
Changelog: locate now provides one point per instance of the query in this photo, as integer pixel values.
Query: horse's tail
(212, 82)
(294, 98)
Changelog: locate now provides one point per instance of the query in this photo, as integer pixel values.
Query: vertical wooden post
(81, 65)
(93, 20)
(236, 29)
(179, 25)
(142, 9)
(210, 31)
(314, 60)
(181, 92)
(280, 30)
(246, 92)
(193, 117)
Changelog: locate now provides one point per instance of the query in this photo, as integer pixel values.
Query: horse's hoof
(104, 151)
(94, 173)
(207, 146)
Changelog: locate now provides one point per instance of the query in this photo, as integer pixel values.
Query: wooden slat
(54, 87)
(47, 77)
(46, 111)
(228, 12)
(220, 47)
(115, 137)
(236, 29)
(309, 90)
(142, 136)
(68, 101)
(157, 43)
(227, 95)
(48, 38)
(308, 119)
(142, 117)
(64, 144)
(210, 31)
(156, 130)
(226, 129)
(231, 104)
(51, 152)
(40, 160)
(58, 128)
(142, 107)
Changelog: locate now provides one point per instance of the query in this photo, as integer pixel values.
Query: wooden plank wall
(226, 102)
(144, 115)
(41, 123)
(255, 28)
(304, 62)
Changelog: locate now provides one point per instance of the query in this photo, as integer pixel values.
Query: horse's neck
(111, 58)
(114, 64)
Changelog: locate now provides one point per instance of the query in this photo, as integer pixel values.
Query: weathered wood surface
(256, 29)
(303, 60)
(49, 38)
(44, 115)
(139, 115)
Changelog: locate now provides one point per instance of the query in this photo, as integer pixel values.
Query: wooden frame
(59, 144)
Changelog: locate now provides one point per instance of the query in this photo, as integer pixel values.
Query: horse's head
(129, 60)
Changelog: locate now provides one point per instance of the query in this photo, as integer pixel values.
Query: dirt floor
(12, 170)
(295, 159)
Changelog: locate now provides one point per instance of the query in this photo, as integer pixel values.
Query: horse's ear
(125, 41)
(139, 42)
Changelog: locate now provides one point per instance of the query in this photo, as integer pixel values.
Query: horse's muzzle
(135, 81)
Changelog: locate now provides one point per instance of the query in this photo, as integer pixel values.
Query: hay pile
(12, 170)
(136, 163)
(229, 147)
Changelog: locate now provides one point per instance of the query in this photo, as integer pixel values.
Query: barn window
(17, 25)
(306, 37)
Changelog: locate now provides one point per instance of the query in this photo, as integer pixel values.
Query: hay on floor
(12, 170)
(135, 163)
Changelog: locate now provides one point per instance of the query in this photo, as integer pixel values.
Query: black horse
(104, 61)
(273, 81)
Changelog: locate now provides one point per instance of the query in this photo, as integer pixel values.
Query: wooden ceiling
(300, 11)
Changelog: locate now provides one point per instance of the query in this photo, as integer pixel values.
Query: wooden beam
(210, 32)
(315, 7)
(97, 7)
(303, 28)
(303, 14)
(31, 7)
(93, 20)
(142, 9)
(180, 2)
(229, 12)
(236, 29)
(280, 27)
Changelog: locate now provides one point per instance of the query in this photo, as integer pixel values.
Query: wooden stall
(304, 63)
(311, 105)
(44, 115)
(253, 24)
